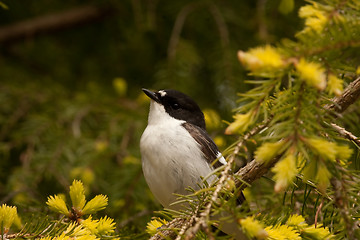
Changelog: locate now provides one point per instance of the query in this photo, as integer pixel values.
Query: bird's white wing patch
(221, 158)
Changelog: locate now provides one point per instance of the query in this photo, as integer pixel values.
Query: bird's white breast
(171, 158)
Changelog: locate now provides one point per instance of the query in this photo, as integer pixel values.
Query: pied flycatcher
(176, 150)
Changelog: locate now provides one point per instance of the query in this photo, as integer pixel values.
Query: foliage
(71, 226)
(53, 132)
(288, 115)
(71, 108)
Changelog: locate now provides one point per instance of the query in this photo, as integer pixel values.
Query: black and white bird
(176, 150)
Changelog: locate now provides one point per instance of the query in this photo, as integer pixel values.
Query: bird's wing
(209, 149)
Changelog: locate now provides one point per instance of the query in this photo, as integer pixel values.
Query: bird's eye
(175, 106)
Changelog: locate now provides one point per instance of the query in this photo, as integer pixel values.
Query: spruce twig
(348, 97)
(225, 174)
(255, 170)
(188, 223)
(341, 201)
(169, 229)
(346, 134)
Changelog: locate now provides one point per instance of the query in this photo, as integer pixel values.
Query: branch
(201, 222)
(178, 26)
(169, 230)
(346, 134)
(350, 224)
(255, 170)
(51, 22)
(221, 24)
(188, 224)
(180, 21)
(348, 97)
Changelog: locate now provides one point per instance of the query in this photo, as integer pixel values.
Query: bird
(176, 150)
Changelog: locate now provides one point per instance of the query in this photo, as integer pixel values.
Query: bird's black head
(178, 105)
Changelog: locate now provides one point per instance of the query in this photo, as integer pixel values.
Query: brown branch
(178, 26)
(221, 24)
(335, 46)
(16, 235)
(348, 97)
(252, 171)
(51, 22)
(180, 21)
(346, 134)
(318, 210)
(188, 223)
(169, 230)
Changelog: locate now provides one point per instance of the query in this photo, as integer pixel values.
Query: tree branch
(178, 26)
(255, 170)
(346, 134)
(51, 22)
(341, 201)
(180, 21)
(348, 97)
(221, 24)
(168, 231)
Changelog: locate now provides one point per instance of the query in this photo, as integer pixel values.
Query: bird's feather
(207, 145)
(209, 150)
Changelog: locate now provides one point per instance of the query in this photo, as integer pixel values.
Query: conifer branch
(342, 204)
(16, 235)
(169, 230)
(252, 170)
(225, 174)
(188, 224)
(337, 45)
(348, 97)
(255, 170)
(201, 222)
(346, 134)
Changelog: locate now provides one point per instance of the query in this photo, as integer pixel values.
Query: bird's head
(174, 104)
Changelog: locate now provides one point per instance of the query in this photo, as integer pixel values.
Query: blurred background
(71, 105)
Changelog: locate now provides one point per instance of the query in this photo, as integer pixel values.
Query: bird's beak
(152, 95)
